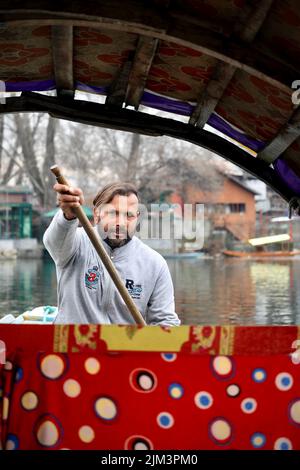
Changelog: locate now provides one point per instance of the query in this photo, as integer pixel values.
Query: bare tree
(10, 165)
(102, 155)
(98, 155)
(49, 160)
(26, 140)
(93, 156)
(27, 151)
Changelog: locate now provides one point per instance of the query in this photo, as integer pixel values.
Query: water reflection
(208, 291)
(237, 291)
(25, 284)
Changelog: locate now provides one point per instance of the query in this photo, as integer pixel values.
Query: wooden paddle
(96, 241)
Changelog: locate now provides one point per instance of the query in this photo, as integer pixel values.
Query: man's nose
(121, 219)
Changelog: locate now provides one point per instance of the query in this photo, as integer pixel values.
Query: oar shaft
(95, 240)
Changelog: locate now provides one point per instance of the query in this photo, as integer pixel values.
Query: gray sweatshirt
(86, 293)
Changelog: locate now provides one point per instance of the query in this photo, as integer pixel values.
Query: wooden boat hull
(260, 254)
(193, 255)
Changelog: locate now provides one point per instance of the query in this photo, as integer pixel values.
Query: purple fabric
(148, 99)
(37, 85)
(166, 104)
(186, 109)
(44, 85)
(287, 175)
(91, 88)
(218, 123)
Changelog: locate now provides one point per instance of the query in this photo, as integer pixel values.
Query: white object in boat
(44, 314)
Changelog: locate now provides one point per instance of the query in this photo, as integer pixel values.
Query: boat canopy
(285, 237)
(230, 67)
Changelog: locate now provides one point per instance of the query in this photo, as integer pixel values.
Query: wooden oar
(96, 241)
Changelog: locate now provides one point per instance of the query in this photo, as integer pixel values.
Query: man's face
(118, 219)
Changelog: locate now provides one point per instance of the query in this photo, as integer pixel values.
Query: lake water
(207, 291)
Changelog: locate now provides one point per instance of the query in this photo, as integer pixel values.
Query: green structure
(88, 212)
(15, 213)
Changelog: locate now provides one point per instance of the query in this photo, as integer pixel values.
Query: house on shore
(229, 211)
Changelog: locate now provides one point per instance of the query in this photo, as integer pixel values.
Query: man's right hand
(67, 198)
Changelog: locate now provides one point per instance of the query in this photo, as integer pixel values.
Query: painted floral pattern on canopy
(179, 72)
(256, 107)
(22, 56)
(99, 55)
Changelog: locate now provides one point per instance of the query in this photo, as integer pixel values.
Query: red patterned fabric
(105, 392)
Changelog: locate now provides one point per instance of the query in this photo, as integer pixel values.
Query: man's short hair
(106, 195)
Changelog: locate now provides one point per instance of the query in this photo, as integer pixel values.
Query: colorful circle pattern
(144, 402)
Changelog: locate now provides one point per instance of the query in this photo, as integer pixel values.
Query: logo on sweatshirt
(91, 278)
(134, 290)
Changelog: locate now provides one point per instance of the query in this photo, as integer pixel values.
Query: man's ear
(96, 213)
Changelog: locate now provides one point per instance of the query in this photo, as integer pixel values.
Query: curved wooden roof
(231, 64)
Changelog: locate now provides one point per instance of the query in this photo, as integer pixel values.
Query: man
(86, 293)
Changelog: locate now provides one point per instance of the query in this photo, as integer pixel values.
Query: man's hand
(68, 198)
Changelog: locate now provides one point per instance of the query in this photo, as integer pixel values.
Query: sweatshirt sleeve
(62, 239)
(161, 306)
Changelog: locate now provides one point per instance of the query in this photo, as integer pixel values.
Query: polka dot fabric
(104, 399)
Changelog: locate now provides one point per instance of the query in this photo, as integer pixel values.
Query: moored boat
(185, 255)
(260, 254)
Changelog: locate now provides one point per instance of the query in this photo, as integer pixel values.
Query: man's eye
(131, 215)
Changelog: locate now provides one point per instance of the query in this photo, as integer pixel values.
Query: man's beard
(116, 242)
(111, 238)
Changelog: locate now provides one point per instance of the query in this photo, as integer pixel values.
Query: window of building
(237, 207)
